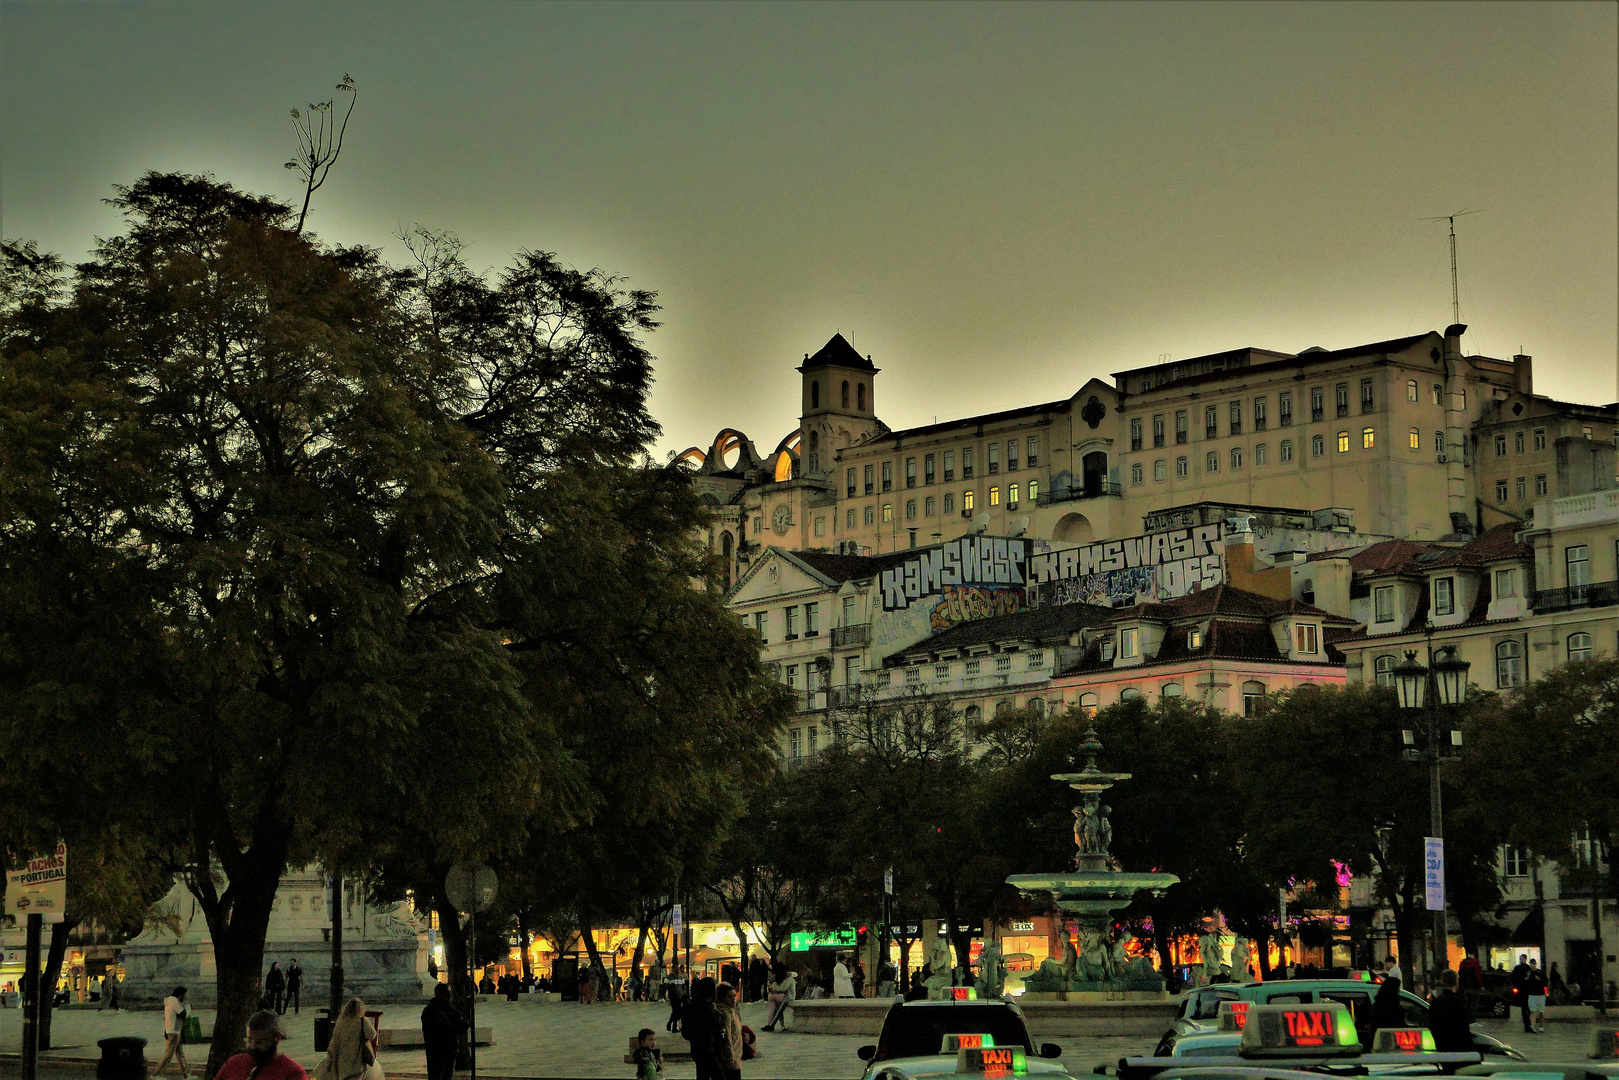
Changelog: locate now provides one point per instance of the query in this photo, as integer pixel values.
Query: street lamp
(1448, 676)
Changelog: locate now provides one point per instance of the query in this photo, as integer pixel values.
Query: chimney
(1523, 374)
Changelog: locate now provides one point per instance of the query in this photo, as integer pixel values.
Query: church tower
(839, 408)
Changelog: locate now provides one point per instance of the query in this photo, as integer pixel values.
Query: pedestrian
(654, 979)
(263, 1059)
(175, 1012)
(295, 983)
(675, 991)
(1520, 991)
(782, 992)
(858, 978)
(1536, 986)
(109, 990)
(1472, 984)
(1558, 988)
(1448, 1019)
(352, 1050)
(842, 985)
(647, 1057)
(758, 978)
(275, 989)
(887, 975)
(1391, 970)
(442, 1024)
(1387, 1009)
(728, 1033)
(699, 1023)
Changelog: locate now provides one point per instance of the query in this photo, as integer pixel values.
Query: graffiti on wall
(987, 561)
(1116, 573)
(964, 603)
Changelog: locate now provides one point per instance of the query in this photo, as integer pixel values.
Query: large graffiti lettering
(971, 560)
(964, 603)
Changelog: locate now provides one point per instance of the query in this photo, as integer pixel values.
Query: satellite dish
(981, 523)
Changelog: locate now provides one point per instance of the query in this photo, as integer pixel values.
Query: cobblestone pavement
(588, 1042)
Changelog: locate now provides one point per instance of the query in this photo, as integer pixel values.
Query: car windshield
(917, 1031)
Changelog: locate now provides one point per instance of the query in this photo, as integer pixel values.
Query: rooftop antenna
(1455, 297)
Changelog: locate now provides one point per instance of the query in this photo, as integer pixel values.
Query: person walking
(442, 1024)
(109, 990)
(1387, 1010)
(728, 1033)
(1536, 987)
(675, 991)
(842, 985)
(1448, 1018)
(1520, 991)
(699, 1024)
(1557, 987)
(295, 983)
(782, 992)
(1471, 980)
(175, 1012)
(353, 1047)
(263, 1059)
(275, 989)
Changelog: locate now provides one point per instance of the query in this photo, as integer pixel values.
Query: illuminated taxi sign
(1604, 1043)
(1233, 1014)
(1403, 1041)
(1294, 1030)
(992, 1060)
(961, 993)
(955, 1043)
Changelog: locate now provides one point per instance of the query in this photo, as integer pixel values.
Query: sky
(995, 202)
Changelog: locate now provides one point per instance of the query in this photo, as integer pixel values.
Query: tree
(320, 141)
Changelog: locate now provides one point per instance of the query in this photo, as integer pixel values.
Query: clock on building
(781, 519)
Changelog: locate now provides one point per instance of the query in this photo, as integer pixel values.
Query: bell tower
(839, 406)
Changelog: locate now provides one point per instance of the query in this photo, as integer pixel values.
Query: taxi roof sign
(960, 993)
(955, 1043)
(1233, 1014)
(1604, 1042)
(1405, 1040)
(1295, 1030)
(992, 1060)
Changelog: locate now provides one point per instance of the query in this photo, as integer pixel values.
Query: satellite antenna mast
(1455, 296)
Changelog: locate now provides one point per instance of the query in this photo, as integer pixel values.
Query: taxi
(958, 1036)
(1602, 1059)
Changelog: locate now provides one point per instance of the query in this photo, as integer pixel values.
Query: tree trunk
(53, 971)
(1166, 962)
(455, 964)
(523, 939)
(1262, 942)
(239, 951)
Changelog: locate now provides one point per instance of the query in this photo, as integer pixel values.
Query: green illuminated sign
(824, 939)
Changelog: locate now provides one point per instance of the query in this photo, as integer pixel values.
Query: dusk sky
(995, 201)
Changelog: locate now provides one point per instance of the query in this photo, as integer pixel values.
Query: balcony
(846, 636)
(1094, 490)
(1597, 594)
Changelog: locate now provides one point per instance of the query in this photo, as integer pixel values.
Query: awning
(706, 954)
(1531, 930)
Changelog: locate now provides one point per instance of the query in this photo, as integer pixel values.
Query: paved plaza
(588, 1041)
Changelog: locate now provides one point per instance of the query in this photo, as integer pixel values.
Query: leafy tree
(320, 140)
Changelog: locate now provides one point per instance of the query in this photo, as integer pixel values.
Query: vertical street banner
(1433, 862)
(679, 922)
(40, 887)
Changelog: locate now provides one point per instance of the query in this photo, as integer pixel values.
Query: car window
(1208, 1003)
(1358, 1003)
(1301, 997)
(1416, 1011)
(920, 1031)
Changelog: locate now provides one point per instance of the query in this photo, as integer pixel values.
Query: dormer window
(1107, 649)
(1506, 583)
(1129, 643)
(1383, 603)
(1444, 596)
(1305, 638)
(1194, 638)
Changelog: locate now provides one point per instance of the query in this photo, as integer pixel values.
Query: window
(814, 737)
(1160, 470)
(1107, 649)
(1129, 693)
(967, 464)
(1506, 583)
(870, 515)
(848, 616)
(1540, 438)
(910, 472)
(1520, 487)
(1236, 457)
(1318, 407)
(1211, 462)
(1304, 638)
(950, 502)
(972, 667)
(1284, 408)
(888, 512)
(993, 457)
(1586, 432)
(1158, 430)
(1577, 560)
(1211, 422)
(1183, 468)
(860, 397)
(1180, 428)
(761, 623)
(1284, 450)
(812, 620)
(1517, 442)
(1011, 455)
(1003, 663)
(1034, 452)
(815, 395)
(1253, 692)
(973, 714)
(1259, 414)
(1172, 690)
(910, 509)
(849, 481)
(1368, 438)
(792, 629)
(1540, 483)
(1194, 638)
(928, 506)
(1579, 647)
(1236, 418)
(1411, 390)
(798, 744)
(845, 393)
(1366, 395)
(1438, 394)
(820, 526)
(1343, 442)
(1444, 596)
(927, 469)
(949, 466)
(1500, 445)
(994, 496)
(966, 500)
(888, 476)
(1514, 862)
(1136, 473)
(1088, 702)
(1439, 442)
(1383, 603)
(1034, 491)
(1508, 665)
(1384, 665)
(1341, 398)
(1135, 433)
(868, 474)
(1129, 643)
(1415, 439)
(1012, 495)
(758, 524)
(941, 672)
(1500, 491)
(851, 670)
(1318, 445)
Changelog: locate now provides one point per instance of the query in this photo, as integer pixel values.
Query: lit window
(1137, 473)
(1012, 494)
(1343, 442)
(1160, 470)
(1411, 390)
(1183, 468)
(1129, 643)
(1384, 665)
(1367, 438)
(1383, 603)
(1194, 638)
(1415, 437)
(1508, 665)
(1579, 647)
(1087, 703)
(1318, 445)
(1304, 637)
(1261, 454)
(1284, 451)
(1211, 462)
(1444, 596)
(967, 500)
(994, 496)
(1236, 457)
(888, 512)
(1034, 491)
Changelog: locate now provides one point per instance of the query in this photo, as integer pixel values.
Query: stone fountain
(1087, 896)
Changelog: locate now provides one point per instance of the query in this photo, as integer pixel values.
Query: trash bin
(323, 1030)
(123, 1057)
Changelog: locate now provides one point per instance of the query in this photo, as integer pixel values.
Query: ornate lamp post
(1424, 689)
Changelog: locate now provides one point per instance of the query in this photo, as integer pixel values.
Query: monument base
(374, 970)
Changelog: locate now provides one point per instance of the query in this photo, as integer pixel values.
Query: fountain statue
(1088, 894)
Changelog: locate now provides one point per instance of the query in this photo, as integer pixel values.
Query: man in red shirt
(263, 1059)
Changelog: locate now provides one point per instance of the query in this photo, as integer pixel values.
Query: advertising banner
(1434, 863)
(39, 888)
